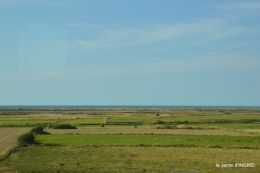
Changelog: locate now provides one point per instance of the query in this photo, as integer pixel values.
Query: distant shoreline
(122, 107)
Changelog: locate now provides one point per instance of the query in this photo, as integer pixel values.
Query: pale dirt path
(9, 136)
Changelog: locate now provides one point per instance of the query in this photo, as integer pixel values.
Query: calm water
(123, 107)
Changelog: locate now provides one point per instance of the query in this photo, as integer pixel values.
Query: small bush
(64, 126)
(166, 127)
(38, 130)
(26, 139)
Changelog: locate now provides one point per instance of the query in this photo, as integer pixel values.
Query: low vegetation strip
(23, 123)
(150, 140)
(140, 130)
(8, 138)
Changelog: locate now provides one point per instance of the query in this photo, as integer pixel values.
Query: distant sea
(122, 107)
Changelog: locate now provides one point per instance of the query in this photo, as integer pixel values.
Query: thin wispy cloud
(84, 25)
(197, 33)
(222, 33)
(246, 5)
(88, 45)
(200, 31)
(151, 34)
(241, 8)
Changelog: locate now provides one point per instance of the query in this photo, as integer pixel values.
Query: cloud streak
(83, 25)
(242, 5)
(194, 33)
(88, 45)
(242, 9)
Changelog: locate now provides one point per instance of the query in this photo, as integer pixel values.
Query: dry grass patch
(8, 138)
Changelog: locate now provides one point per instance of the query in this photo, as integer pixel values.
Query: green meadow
(109, 159)
(150, 140)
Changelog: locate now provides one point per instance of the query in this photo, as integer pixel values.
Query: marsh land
(132, 140)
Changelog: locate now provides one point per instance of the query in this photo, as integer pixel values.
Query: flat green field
(130, 159)
(135, 140)
(150, 140)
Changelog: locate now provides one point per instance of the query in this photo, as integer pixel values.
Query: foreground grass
(150, 140)
(129, 159)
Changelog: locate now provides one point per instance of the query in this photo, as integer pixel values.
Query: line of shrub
(39, 130)
(64, 126)
(26, 139)
(166, 127)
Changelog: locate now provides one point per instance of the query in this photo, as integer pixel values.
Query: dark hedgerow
(38, 130)
(64, 126)
(26, 139)
(166, 127)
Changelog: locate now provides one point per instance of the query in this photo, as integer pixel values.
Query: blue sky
(137, 52)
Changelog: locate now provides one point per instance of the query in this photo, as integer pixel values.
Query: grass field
(133, 140)
(150, 140)
(8, 138)
(129, 159)
(149, 130)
